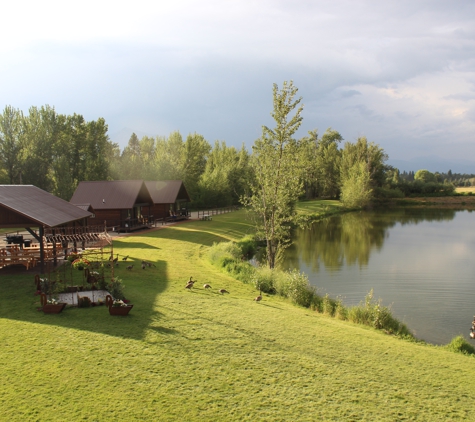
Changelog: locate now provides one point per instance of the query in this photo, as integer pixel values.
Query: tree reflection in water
(349, 239)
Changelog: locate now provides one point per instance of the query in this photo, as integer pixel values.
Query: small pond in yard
(419, 261)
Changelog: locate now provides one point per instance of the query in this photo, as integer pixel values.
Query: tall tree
(43, 127)
(131, 159)
(11, 142)
(362, 170)
(277, 168)
(225, 178)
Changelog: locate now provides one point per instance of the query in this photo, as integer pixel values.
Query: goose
(125, 258)
(223, 291)
(206, 286)
(258, 298)
(129, 267)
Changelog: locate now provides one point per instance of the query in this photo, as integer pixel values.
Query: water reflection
(418, 260)
(348, 239)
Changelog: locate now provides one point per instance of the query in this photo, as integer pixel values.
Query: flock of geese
(189, 285)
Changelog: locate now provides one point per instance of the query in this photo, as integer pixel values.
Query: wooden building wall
(112, 217)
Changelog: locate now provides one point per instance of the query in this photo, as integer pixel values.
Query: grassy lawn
(201, 356)
(465, 189)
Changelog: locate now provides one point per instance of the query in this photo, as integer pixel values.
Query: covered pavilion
(47, 218)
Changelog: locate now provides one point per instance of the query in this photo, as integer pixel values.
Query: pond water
(420, 262)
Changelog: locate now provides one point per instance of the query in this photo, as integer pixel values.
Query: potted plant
(80, 264)
(51, 306)
(117, 306)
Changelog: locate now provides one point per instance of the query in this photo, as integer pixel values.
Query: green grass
(319, 207)
(202, 356)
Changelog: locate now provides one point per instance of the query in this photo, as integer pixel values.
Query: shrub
(375, 315)
(221, 254)
(460, 345)
(299, 289)
(341, 312)
(248, 246)
(243, 271)
(263, 280)
(328, 306)
(116, 288)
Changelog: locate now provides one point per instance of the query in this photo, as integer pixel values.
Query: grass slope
(199, 355)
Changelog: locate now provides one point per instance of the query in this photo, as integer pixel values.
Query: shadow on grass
(142, 287)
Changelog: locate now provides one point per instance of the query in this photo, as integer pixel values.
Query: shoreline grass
(199, 355)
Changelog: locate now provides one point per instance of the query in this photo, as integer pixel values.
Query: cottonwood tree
(11, 142)
(277, 168)
(362, 170)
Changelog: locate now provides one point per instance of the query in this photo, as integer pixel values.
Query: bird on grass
(258, 298)
(190, 284)
(223, 291)
(125, 258)
(148, 264)
(130, 267)
(206, 286)
(143, 266)
(115, 260)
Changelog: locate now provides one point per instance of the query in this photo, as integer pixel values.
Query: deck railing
(206, 214)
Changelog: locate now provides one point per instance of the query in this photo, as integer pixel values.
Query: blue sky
(401, 73)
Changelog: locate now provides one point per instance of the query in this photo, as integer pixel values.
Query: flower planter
(49, 308)
(120, 310)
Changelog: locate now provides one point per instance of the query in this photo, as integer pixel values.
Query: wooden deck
(28, 256)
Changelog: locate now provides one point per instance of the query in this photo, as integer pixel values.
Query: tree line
(55, 152)
(457, 179)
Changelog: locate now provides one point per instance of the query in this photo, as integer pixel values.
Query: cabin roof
(38, 207)
(167, 191)
(111, 194)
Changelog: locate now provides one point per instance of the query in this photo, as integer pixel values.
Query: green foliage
(277, 169)
(116, 288)
(220, 254)
(264, 279)
(425, 176)
(299, 289)
(355, 190)
(421, 188)
(374, 314)
(248, 246)
(459, 345)
(341, 312)
(225, 178)
(328, 305)
(362, 170)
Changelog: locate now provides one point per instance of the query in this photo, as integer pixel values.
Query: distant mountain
(122, 136)
(434, 164)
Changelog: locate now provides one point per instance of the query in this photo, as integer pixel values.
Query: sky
(401, 73)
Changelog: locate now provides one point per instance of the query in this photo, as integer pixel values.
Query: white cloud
(401, 73)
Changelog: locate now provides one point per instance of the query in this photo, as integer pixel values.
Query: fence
(207, 214)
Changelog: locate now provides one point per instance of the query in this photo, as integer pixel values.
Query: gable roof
(167, 191)
(112, 194)
(85, 207)
(38, 206)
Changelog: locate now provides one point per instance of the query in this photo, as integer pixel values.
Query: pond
(419, 261)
